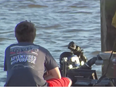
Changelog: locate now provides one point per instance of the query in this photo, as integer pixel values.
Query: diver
(76, 50)
(77, 53)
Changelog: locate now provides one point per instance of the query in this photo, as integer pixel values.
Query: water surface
(57, 21)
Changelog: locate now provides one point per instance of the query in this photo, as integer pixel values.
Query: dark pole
(108, 30)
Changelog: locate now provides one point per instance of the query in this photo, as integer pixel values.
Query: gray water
(57, 21)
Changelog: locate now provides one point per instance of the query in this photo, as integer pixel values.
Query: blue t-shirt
(25, 64)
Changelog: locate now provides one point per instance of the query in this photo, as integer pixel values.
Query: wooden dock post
(108, 31)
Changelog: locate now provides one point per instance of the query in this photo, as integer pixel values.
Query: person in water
(26, 62)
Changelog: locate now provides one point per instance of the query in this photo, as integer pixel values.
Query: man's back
(26, 60)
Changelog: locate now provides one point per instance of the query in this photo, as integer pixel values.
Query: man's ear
(15, 35)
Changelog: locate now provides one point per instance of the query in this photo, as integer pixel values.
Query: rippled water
(57, 21)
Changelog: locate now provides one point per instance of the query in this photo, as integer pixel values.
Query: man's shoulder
(27, 45)
(11, 45)
(40, 47)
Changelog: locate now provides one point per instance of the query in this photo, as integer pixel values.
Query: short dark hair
(25, 31)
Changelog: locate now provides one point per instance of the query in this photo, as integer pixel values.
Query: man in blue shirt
(26, 62)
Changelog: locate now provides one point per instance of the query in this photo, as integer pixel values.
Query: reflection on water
(57, 21)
